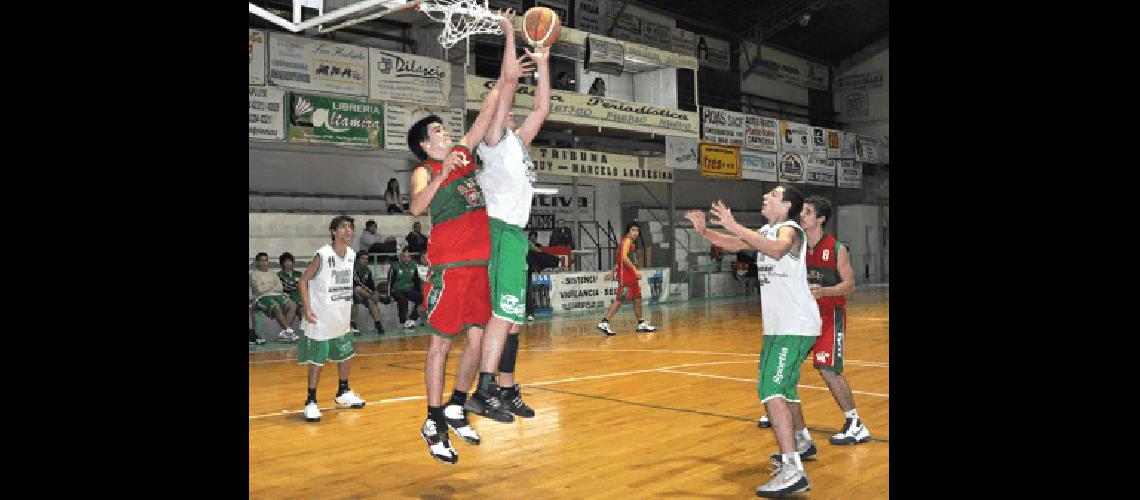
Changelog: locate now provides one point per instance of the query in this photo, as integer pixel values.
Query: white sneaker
(854, 432)
(312, 412)
(350, 399)
(292, 334)
(787, 479)
(410, 323)
(530, 317)
(645, 327)
(457, 421)
(605, 328)
(438, 445)
(353, 330)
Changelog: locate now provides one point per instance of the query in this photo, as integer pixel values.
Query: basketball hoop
(461, 19)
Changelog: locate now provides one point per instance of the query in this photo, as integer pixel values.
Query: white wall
(658, 87)
(877, 122)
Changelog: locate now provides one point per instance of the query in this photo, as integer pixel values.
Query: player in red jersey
(627, 276)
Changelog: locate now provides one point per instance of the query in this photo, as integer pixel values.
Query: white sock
(851, 414)
(806, 434)
(793, 459)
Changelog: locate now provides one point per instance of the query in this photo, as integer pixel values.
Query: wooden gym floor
(664, 414)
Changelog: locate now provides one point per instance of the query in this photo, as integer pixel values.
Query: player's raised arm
(533, 123)
(485, 128)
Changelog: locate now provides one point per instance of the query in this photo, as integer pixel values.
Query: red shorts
(457, 298)
(629, 289)
(827, 353)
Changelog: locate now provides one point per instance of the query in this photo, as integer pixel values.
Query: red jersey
(625, 273)
(460, 231)
(823, 269)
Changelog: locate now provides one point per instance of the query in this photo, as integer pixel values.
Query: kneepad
(510, 349)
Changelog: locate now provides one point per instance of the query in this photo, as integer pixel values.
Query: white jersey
(507, 179)
(786, 302)
(330, 295)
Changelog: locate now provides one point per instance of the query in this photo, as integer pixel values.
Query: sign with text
(257, 57)
(761, 133)
(866, 149)
(587, 16)
(408, 78)
(832, 143)
(722, 162)
(588, 290)
(713, 52)
(328, 120)
(856, 81)
(820, 171)
(596, 164)
(850, 174)
(266, 113)
(758, 166)
(656, 34)
(320, 65)
(846, 145)
(683, 41)
(855, 104)
(795, 137)
(681, 153)
(819, 142)
(722, 126)
(583, 109)
(398, 118)
(792, 167)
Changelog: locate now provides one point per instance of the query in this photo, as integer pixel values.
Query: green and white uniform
(790, 316)
(507, 183)
(330, 298)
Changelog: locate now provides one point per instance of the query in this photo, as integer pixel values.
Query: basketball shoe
(350, 399)
(804, 446)
(786, 479)
(439, 446)
(642, 326)
(457, 420)
(312, 412)
(487, 404)
(605, 328)
(854, 432)
(511, 397)
(763, 423)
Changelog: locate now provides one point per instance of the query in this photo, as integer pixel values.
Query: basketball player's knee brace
(510, 349)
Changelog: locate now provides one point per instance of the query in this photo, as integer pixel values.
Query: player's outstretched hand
(723, 214)
(697, 217)
(526, 64)
(506, 18)
(540, 55)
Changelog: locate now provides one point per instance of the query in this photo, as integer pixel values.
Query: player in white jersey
(791, 321)
(507, 182)
(326, 291)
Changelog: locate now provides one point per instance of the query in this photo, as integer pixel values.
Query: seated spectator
(392, 197)
(369, 236)
(749, 274)
(253, 338)
(563, 82)
(366, 293)
(717, 255)
(404, 285)
(289, 277)
(417, 241)
(598, 88)
(271, 298)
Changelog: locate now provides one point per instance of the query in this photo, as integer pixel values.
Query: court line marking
(753, 381)
(663, 369)
(877, 364)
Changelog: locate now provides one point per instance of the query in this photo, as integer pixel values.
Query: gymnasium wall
(876, 123)
(770, 87)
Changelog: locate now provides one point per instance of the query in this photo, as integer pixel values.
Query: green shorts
(265, 303)
(316, 352)
(506, 271)
(780, 361)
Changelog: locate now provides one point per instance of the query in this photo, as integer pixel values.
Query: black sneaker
(511, 397)
(439, 446)
(379, 329)
(255, 340)
(764, 422)
(488, 405)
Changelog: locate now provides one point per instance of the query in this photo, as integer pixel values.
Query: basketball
(540, 26)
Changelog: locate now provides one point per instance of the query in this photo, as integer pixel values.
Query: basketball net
(461, 19)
